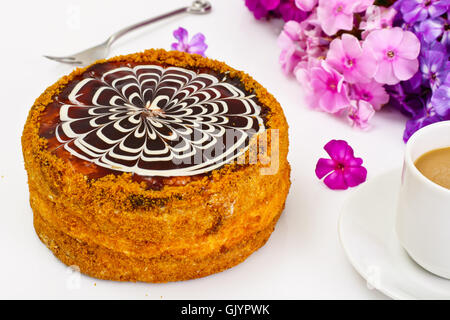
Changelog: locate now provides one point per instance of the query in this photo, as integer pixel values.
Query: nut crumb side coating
(121, 228)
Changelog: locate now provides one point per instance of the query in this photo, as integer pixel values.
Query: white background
(303, 258)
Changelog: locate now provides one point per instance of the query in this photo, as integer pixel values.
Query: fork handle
(197, 7)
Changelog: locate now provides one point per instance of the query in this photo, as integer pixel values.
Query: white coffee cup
(423, 213)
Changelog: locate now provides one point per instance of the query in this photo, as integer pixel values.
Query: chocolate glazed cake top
(151, 120)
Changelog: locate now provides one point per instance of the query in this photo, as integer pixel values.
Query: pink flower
(328, 91)
(396, 52)
(315, 41)
(362, 5)
(360, 113)
(377, 18)
(292, 46)
(343, 170)
(302, 72)
(306, 5)
(335, 15)
(289, 58)
(301, 42)
(347, 57)
(372, 92)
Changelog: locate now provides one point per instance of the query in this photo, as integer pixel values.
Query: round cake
(156, 166)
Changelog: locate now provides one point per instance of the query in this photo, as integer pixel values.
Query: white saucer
(367, 234)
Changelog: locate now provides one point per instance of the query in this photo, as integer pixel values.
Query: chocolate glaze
(120, 100)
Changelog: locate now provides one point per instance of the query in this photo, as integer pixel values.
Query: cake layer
(219, 220)
(102, 263)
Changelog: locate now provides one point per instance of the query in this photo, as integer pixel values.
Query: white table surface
(303, 258)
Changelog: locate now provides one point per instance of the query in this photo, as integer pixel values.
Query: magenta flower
(196, 45)
(270, 4)
(343, 170)
(328, 90)
(355, 63)
(396, 52)
(360, 113)
(335, 15)
(306, 5)
(289, 11)
(372, 92)
(261, 8)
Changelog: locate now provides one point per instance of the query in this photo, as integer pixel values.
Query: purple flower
(431, 29)
(343, 170)
(441, 99)
(434, 66)
(419, 10)
(261, 8)
(424, 117)
(196, 45)
(434, 110)
(289, 11)
(406, 98)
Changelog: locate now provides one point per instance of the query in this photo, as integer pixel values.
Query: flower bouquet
(352, 57)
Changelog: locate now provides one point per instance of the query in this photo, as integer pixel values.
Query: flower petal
(355, 176)
(336, 54)
(353, 162)
(385, 73)
(360, 114)
(177, 46)
(270, 4)
(306, 5)
(197, 44)
(324, 167)
(336, 181)
(337, 149)
(404, 69)
(181, 34)
(380, 40)
(409, 47)
(351, 45)
(367, 64)
(197, 39)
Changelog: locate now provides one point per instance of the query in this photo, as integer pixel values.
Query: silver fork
(100, 51)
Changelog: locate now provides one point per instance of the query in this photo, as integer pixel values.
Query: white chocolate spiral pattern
(156, 121)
